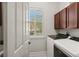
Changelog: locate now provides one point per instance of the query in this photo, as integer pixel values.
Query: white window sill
(37, 36)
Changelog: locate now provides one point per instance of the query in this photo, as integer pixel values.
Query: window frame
(41, 21)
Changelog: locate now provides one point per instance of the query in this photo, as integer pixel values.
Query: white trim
(35, 8)
(37, 37)
(4, 12)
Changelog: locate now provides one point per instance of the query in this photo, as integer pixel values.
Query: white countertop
(69, 47)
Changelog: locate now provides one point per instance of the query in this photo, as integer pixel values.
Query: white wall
(74, 32)
(63, 5)
(37, 44)
(48, 9)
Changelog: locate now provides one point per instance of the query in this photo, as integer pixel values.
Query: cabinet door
(56, 21)
(72, 16)
(63, 19)
(50, 47)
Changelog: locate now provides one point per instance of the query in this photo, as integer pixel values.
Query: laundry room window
(35, 22)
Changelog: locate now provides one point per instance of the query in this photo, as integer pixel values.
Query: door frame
(4, 27)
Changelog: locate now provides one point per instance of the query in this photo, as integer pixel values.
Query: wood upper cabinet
(60, 19)
(63, 19)
(68, 17)
(56, 21)
(72, 16)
